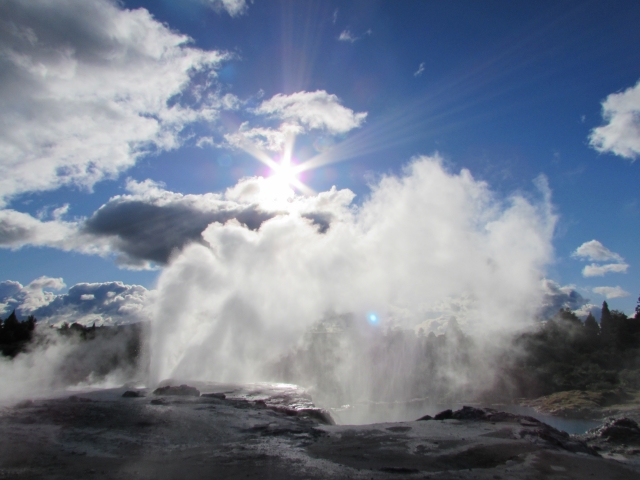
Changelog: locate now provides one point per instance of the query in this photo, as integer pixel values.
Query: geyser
(423, 247)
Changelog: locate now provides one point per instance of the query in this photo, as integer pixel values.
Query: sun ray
(258, 154)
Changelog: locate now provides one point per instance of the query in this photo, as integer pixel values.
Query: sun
(285, 173)
(282, 180)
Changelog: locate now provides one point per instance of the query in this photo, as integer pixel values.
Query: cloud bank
(621, 134)
(109, 303)
(88, 87)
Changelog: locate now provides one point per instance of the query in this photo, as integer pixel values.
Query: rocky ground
(276, 432)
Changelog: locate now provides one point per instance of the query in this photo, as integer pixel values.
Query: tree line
(568, 354)
(345, 363)
(343, 360)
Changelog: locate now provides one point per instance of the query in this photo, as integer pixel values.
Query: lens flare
(285, 174)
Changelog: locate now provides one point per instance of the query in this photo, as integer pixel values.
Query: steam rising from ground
(54, 361)
(426, 245)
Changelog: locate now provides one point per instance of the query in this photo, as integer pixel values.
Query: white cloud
(300, 113)
(265, 138)
(234, 8)
(420, 70)
(86, 89)
(13, 296)
(313, 110)
(621, 134)
(425, 236)
(595, 270)
(596, 252)
(611, 292)
(18, 229)
(347, 36)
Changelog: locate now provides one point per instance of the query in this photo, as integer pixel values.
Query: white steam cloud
(228, 307)
(55, 359)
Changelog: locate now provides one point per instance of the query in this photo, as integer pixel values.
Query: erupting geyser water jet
(425, 246)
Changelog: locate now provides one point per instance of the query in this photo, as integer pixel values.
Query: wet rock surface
(245, 433)
(537, 431)
(616, 438)
(617, 430)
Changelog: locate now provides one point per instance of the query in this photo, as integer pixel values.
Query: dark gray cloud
(150, 232)
(321, 219)
(145, 227)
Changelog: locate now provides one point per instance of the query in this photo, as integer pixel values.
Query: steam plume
(420, 246)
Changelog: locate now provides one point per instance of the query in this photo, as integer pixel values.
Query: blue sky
(93, 107)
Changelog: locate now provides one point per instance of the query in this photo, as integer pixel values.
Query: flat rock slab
(105, 436)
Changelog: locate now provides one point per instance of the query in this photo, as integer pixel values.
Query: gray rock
(181, 390)
(132, 394)
(616, 430)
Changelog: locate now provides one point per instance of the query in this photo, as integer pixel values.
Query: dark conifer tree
(10, 329)
(591, 327)
(14, 334)
(606, 324)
